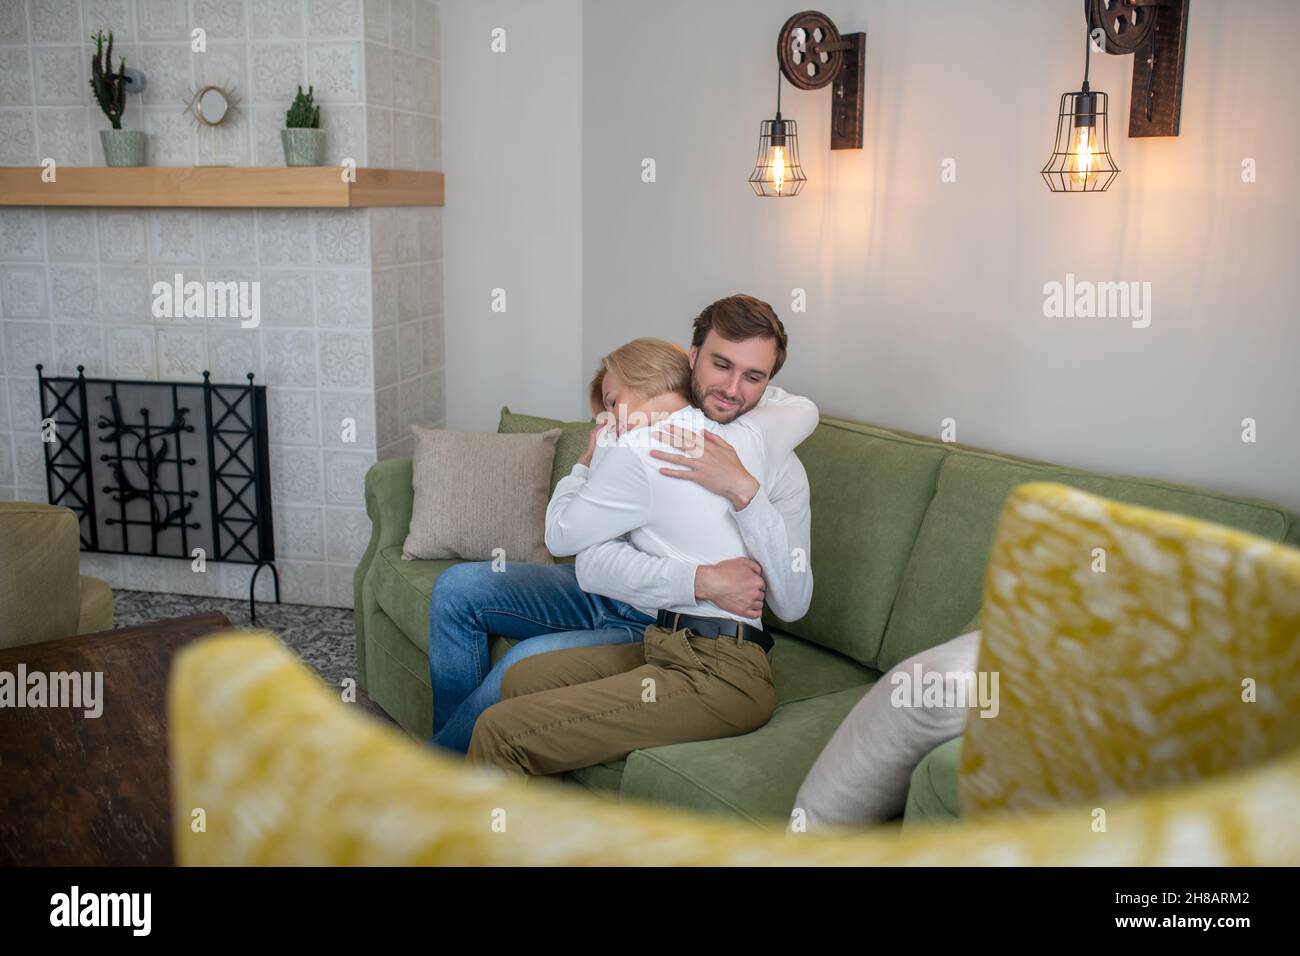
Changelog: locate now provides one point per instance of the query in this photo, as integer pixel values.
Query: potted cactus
(303, 139)
(122, 147)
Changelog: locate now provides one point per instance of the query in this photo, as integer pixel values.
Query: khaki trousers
(587, 705)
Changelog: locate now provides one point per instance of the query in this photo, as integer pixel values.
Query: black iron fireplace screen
(161, 468)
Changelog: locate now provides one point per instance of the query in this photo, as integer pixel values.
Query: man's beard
(698, 395)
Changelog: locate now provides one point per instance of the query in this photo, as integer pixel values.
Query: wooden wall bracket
(848, 93)
(813, 53)
(1155, 32)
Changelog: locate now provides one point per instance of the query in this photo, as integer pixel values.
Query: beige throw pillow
(478, 491)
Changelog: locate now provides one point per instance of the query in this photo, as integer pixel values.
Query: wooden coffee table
(79, 791)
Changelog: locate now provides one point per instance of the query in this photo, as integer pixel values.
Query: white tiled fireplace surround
(351, 299)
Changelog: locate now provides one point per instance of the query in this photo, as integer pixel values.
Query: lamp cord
(1087, 51)
(778, 90)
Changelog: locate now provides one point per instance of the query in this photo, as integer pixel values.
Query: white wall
(513, 161)
(924, 298)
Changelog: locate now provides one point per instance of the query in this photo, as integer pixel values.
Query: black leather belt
(715, 627)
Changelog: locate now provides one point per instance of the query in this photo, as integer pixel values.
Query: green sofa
(901, 529)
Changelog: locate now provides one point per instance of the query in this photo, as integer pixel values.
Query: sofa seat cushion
(803, 670)
(932, 795)
(755, 776)
(404, 588)
(800, 670)
(944, 581)
(604, 779)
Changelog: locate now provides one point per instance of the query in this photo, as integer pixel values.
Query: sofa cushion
(403, 589)
(932, 795)
(802, 670)
(605, 779)
(755, 776)
(944, 579)
(869, 488)
(701, 773)
(1130, 681)
(478, 495)
(572, 443)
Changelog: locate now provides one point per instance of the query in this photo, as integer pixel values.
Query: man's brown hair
(739, 317)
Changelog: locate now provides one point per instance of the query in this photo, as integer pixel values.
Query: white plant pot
(303, 147)
(123, 147)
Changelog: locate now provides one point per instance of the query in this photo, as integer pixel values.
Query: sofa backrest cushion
(573, 438)
(869, 489)
(943, 584)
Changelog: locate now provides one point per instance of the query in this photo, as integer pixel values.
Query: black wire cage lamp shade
(1081, 160)
(777, 172)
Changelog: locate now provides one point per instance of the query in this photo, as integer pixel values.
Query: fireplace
(163, 469)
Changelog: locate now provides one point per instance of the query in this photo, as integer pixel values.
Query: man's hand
(735, 585)
(710, 462)
(585, 457)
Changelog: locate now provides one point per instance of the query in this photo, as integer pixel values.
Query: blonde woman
(702, 671)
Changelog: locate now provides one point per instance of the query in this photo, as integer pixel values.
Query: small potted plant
(303, 139)
(122, 147)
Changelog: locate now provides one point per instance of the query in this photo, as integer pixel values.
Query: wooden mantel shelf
(225, 186)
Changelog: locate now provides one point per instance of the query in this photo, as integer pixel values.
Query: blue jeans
(539, 605)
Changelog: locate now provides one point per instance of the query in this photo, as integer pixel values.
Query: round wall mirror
(211, 105)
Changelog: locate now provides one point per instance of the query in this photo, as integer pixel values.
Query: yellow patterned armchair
(1147, 716)
(43, 595)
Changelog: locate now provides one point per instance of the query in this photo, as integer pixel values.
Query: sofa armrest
(389, 498)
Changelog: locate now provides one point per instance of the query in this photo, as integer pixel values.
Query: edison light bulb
(778, 167)
(1079, 156)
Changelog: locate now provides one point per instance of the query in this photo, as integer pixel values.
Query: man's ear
(691, 354)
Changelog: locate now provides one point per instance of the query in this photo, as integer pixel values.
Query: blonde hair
(648, 366)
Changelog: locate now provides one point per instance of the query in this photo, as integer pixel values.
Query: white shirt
(678, 525)
(776, 528)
